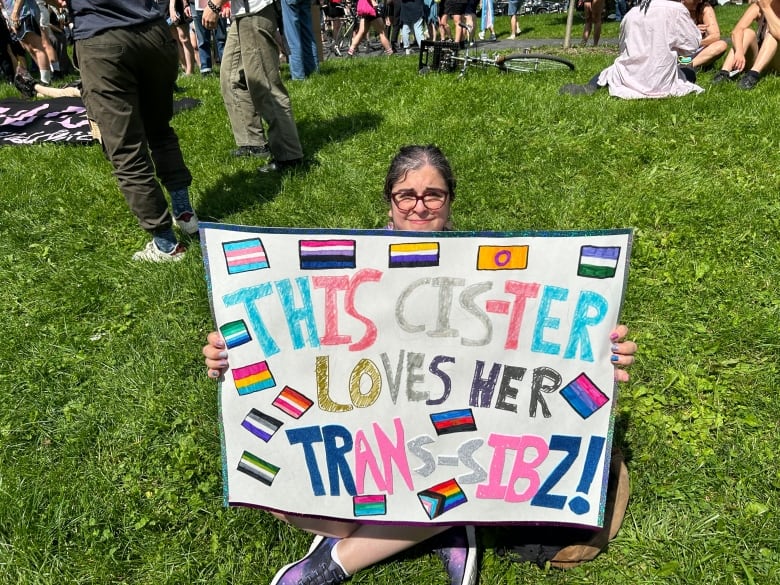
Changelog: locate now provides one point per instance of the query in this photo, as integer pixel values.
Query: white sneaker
(511, 37)
(482, 35)
(188, 223)
(151, 253)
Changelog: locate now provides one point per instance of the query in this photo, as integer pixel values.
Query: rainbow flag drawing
(235, 333)
(369, 505)
(325, 254)
(244, 255)
(253, 378)
(584, 396)
(255, 467)
(454, 421)
(442, 498)
(598, 261)
(502, 258)
(261, 425)
(292, 402)
(414, 255)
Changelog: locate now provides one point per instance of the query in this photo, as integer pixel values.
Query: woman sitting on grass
(419, 189)
(711, 46)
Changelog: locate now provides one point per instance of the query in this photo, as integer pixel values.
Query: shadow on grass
(237, 191)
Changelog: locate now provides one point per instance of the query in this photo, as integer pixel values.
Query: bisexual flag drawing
(255, 467)
(598, 261)
(261, 425)
(454, 421)
(583, 396)
(244, 255)
(326, 254)
(441, 498)
(235, 333)
(369, 505)
(502, 258)
(414, 255)
(292, 402)
(253, 378)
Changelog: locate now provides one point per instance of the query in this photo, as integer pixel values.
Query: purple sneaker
(317, 567)
(457, 549)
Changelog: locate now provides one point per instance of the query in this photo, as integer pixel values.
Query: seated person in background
(652, 36)
(711, 46)
(420, 190)
(755, 51)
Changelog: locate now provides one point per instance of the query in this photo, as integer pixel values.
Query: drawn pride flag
(244, 256)
(261, 425)
(584, 396)
(292, 402)
(253, 378)
(441, 498)
(598, 261)
(369, 505)
(325, 254)
(414, 255)
(258, 468)
(235, 333)
(454, 421)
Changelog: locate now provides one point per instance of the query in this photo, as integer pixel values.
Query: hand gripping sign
(420, 378)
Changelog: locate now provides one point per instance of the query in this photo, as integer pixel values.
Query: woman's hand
(622, 352)
(216, 355)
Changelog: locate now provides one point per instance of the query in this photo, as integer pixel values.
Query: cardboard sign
(417, 378)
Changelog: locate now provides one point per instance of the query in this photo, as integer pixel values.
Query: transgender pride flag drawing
(598, 261)
(244, 256)
(583, 396)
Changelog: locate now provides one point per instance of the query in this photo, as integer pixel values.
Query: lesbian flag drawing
(255, 467)
(454, 421)
(441, 498)
(369, 505)
(244, 256)
(598, 261)
(583, 395)
(414, 255)
(502, 258)
(292, 402)
(253, 378)
(261, 425)
(235, 333)
(326, 254)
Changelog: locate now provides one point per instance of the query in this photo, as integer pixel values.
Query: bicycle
(443, 56)
(346, 26)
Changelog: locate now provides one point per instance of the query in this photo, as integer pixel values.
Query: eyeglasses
(432, 199)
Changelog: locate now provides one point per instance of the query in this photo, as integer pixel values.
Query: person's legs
(419, 32)
(588, 6)
(260, 59)
(710, 54)
(308, 42)
(204, 42)
(405, 30)
(292, 34)
(245, 122)
(182, 31)
(379, 27)
(766, 54)
(597, 11)
(33, 44)
(358, 36)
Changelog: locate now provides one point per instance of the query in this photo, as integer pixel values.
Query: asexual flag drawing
(583, 396)
(244, 256)
(454, 421)
(442, 498)
(326, 254)
(414, 255)
(261, 425)
(598, 261)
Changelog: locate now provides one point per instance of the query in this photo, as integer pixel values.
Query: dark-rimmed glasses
(432, 199)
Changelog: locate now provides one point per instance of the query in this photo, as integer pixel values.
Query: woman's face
(425, 180)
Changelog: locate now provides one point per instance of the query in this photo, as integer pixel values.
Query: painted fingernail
(222, 354)
(614, 347)
(214, 374)
(614, 337)
(614, 358)
(223, 363)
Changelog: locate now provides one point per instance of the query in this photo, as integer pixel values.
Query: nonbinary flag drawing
(244, 255)
(253, 378)
(261, 425)
(369, 505)
(414, 255)
(292, 402)
(502, 258)
(598, 261)
(326, 254)
(235, 333)
(583, 395)
(441, 498)
(258, 468)
(454, 421)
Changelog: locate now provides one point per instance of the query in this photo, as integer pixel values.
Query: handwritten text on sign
(418, 378)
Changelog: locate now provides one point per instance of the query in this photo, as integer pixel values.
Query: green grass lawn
(109, 444)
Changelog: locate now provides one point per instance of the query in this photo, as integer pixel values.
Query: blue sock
(180, 201)
(165, 240)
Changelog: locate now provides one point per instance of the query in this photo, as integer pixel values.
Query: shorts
(513, 8)
(455, 7)
(333, 10)
(471, 7)
(27, 25)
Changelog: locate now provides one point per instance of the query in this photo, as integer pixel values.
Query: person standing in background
(296, 22)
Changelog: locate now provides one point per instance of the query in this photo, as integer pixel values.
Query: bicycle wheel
(532, 62)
